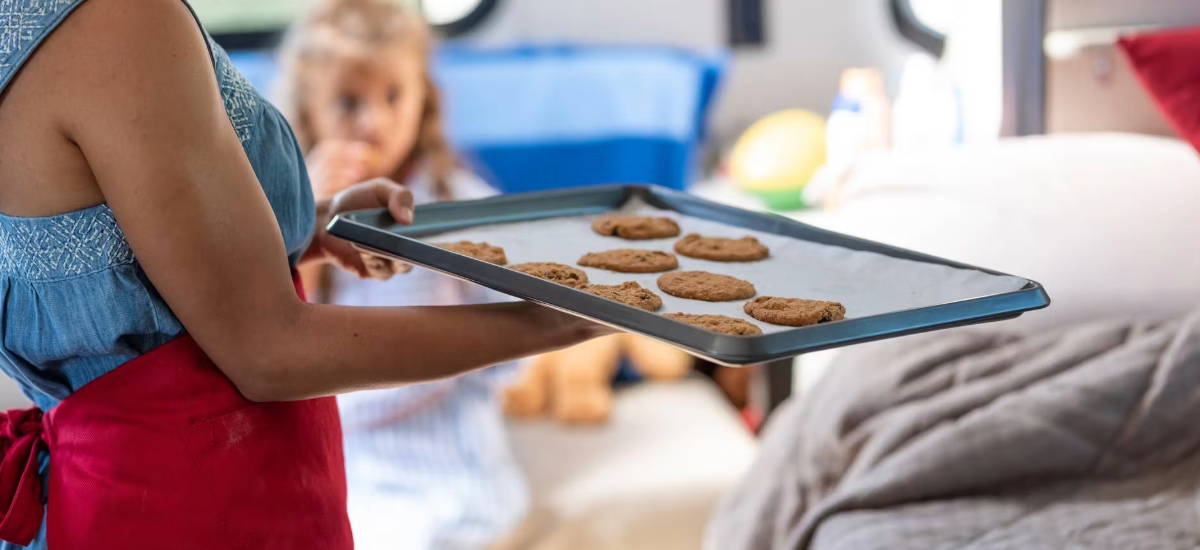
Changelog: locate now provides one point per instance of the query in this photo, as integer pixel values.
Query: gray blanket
(974, 439)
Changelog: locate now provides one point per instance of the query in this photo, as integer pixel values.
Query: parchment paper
(867, 283)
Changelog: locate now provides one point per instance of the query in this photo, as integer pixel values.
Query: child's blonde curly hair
(335, 28)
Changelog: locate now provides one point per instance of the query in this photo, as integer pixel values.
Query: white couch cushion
(1109, 223)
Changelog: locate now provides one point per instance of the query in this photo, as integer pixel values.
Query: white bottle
(859, 121)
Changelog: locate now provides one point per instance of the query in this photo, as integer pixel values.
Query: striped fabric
(438, 475)
(428, 465)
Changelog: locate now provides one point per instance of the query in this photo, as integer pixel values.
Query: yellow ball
(779, 153)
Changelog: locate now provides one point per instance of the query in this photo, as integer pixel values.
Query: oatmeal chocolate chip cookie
(479, 251)
(628, 260)
(720, 249)
(702, 285)
(794, 312)
(636, 227)
(717, 323)
(630, 294)
(558, 273)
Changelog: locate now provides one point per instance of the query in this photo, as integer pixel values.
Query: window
(256, 24)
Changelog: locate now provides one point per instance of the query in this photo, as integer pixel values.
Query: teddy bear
(574, 385)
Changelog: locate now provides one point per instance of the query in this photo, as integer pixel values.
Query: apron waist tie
(20, 487)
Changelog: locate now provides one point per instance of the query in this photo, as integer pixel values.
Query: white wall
(809, 43)
(689, 23)
(1073, 14)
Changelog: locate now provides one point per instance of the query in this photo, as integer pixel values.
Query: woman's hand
(376, 193)
(335, 166)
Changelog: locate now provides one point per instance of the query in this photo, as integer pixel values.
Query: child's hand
(376, 193)
(334, 166)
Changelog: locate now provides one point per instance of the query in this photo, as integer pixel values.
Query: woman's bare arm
(144, 109)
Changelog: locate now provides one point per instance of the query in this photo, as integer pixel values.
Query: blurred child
(428, 466)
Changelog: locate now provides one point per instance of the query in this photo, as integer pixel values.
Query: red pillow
(1168, 64)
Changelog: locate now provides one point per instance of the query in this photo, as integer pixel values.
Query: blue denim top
(74, 302)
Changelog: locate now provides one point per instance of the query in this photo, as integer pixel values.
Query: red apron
(164, 452)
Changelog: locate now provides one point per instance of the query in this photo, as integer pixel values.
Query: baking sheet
(867, 283)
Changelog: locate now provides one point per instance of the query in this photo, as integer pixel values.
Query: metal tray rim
(726, 349)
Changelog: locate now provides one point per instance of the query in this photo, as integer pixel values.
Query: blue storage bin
(545, 117)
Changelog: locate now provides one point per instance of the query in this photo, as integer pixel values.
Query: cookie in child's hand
(629, 293)
(794, 312)
(720, 249)
(636, 227)
(702, 285)
(717, 323)
(558, 273)
(627, 260)
(479, 251)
